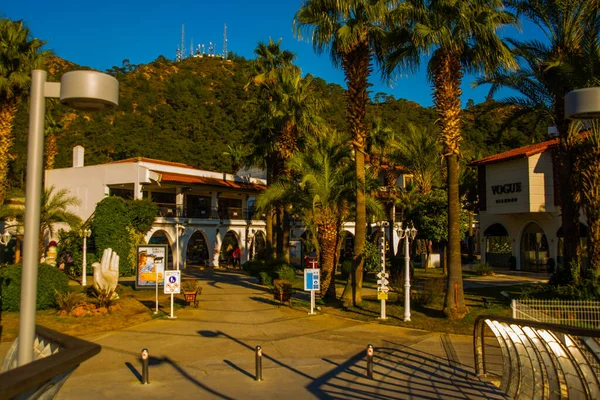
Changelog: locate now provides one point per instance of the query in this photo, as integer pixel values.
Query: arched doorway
(197, 251)
(230, 242)
(160, 237)
(583, 241)
(534, 248)
(259, 246)
(498, 247)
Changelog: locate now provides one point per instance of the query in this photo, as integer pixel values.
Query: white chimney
(78, 156)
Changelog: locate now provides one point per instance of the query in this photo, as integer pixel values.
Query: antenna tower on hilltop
(180, 53)
(225, 42)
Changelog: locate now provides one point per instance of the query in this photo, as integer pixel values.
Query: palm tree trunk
(269, 218)
(8, 110)
(590, 185)
(447, 78)
(285, 237)
(51, 151)
(327, 234)
(357, 67)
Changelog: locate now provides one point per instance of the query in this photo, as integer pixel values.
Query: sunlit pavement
(209, 353)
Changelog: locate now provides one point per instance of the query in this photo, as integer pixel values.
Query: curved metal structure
(540, 360)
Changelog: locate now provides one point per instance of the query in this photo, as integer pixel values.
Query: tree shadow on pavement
(216, 277)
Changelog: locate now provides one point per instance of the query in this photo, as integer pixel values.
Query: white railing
(578, 313)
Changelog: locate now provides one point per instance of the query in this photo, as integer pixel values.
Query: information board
(312, 279)
(151, 260)
(172, 282)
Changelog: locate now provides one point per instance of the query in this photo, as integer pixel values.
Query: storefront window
(498, 247)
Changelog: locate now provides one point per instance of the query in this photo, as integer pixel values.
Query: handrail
(72, 352)
(541, 360)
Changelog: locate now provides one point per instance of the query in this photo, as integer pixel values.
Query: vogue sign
(507, 188)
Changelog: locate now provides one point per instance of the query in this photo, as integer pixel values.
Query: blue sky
(103, 34)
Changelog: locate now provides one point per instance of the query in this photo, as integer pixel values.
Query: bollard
(258, 359)
(145, 357)
(370, 362)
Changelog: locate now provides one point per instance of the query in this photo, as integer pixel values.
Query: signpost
(312, 283)
(172, 286)
(382, 289)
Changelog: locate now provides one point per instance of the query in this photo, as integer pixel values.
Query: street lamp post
(81, 90)
(382, 289)
(408, 233)
(5, 238)
(84, 233)
(180, 230)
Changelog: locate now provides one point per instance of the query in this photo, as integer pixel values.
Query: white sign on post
(312, 282)
(172, 282)
(172, 285)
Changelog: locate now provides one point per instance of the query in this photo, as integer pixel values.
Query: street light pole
(82, 90)
(408, 233)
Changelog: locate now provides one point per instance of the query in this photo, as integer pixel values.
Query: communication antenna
(210, 49)
(225, 41)
(202, 51)
(192, 47)
(182, 42)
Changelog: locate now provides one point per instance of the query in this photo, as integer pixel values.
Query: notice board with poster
(151, 259)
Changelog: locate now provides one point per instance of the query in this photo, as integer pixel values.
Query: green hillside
(191, 111)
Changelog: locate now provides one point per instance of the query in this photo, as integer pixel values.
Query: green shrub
(265, 278)
(50, 281)
(285, 272)
(433, 292)
(109, 229)
(253, 267)
(484, 269)
(141, 214)
(69, 301)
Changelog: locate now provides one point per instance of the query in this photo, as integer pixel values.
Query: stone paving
(209, 353)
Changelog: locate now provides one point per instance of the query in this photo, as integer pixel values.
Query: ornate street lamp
(84, 233)
(5, 238)
(408, 233)
(81, 90)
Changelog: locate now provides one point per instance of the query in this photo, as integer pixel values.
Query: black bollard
(370, 362)
(258, 359)
(145, 357)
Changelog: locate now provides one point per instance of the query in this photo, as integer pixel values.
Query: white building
(519, 215)
(210, 209)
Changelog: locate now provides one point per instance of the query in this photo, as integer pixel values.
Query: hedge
(50, 281)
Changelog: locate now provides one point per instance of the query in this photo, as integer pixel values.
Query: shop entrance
(534, 249)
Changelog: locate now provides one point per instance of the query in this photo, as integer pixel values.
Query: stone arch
(230, 241)
(498, 245)
(161, 236)
(196, 252)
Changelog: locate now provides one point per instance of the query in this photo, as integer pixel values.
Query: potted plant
(282, 291)
(191, 290)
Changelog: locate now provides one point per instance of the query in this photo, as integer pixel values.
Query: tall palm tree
(270, 58)
(319, 194)
(462, 37)
(569, 59)
(19, 54)
(350, 31)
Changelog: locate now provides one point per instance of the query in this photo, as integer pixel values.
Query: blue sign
(312, 279)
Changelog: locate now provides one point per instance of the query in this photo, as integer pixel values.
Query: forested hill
(192, 110)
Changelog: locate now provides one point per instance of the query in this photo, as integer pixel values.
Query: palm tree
(54, 210)
(269, 59)
(418, 152)
(462, 37)
(19, 54)
(569, 59)
(350, 30)
(319, 194)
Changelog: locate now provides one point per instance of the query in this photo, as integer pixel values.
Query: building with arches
(519, 213)
(203, 215)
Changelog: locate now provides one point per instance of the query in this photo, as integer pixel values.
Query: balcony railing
(204, 212)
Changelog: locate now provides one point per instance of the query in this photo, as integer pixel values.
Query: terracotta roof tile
(201, 180)
(161, 162)
(521, 152)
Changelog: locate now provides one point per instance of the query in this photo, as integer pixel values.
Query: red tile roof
(201, 180)
(521, 152)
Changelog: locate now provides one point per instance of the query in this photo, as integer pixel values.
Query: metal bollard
(145, 357)
(370, 352)
(258, 359)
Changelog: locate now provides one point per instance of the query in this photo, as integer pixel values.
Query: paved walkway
(208, 353)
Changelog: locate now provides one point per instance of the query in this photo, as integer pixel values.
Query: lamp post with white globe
(408, 233)
(81, 90)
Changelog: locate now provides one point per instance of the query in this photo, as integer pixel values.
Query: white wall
(510, 172)
(541, 184)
